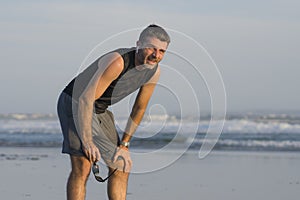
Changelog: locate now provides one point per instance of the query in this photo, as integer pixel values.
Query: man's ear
(138, 44)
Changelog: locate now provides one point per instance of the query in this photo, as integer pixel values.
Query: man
(88, 127)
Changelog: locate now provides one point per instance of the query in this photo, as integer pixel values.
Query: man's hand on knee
(122, 159)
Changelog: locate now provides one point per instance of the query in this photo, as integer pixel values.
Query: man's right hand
(91, 151)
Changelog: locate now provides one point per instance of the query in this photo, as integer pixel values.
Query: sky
(250, 46)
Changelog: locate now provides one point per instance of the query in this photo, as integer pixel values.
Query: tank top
(129, 80)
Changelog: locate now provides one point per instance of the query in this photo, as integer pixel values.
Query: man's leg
(117, 185)
(76, 186)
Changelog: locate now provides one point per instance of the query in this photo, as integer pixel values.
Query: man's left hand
(123, 153)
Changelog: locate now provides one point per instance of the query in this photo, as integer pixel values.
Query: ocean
(241, 131)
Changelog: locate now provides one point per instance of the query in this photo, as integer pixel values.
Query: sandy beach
(41, 173)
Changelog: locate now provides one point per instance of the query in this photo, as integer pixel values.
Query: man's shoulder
(128, 56)
(112, 59)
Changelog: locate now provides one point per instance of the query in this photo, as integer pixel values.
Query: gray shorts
(104, 131)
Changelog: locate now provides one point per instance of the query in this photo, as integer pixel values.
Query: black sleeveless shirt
(127, 82)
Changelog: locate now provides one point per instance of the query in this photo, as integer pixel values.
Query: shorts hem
(73, 153)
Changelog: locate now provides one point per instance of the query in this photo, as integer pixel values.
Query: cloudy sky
(254, 44)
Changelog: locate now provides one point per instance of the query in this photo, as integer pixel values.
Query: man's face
(151, 51)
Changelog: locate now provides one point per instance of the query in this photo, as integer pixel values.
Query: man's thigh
(105, 135)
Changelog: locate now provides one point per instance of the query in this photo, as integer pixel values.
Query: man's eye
(150, 48)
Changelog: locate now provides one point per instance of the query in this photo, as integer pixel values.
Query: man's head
(156, 32)
(152, 44)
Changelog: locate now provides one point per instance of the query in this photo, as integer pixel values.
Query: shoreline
(57, 149)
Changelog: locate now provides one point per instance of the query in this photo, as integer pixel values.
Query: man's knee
(121, 166)
(118, 175)
(81, 166)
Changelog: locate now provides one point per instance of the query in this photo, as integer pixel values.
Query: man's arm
(140, 106)
(109, 68)
(135, 118)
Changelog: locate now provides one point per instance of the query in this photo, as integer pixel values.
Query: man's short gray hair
(154, 30)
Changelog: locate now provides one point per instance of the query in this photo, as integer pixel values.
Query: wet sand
(41, 173)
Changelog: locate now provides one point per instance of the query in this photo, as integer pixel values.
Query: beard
(146, 61)
(152, 60)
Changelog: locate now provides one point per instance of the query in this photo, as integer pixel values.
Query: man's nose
(155, 53)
